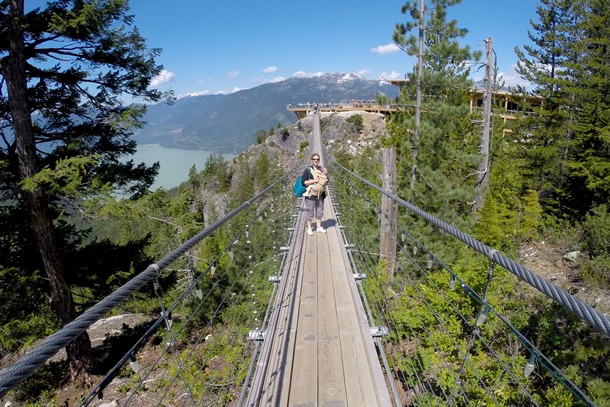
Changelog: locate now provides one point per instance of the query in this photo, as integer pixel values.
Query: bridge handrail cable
(25, 366)
(480, 298)
(593, 317)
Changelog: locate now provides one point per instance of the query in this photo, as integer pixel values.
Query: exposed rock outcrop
(287, 146)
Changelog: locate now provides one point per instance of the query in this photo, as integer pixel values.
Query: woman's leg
(309, 212)
(319, 214)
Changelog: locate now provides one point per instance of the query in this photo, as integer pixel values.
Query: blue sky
(221, 46)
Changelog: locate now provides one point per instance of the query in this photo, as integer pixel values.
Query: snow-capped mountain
(228, 123)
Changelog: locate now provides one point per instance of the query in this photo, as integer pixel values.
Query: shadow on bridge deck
(320, 351)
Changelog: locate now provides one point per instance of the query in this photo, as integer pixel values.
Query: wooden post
(418, 97)
(388, 211)
(483, 171)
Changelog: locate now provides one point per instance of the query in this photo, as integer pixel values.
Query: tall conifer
(568, 143)
(65, 69)
(448, 141)
(589, 162)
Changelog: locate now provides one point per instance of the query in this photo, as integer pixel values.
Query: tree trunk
(388, 211)
(13, 67)
(484, 170)
(418, 97)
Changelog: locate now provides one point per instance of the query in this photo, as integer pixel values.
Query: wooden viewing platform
(301, 110)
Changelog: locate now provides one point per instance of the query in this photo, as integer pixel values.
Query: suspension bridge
(319, 323)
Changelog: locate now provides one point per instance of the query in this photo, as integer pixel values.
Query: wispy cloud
(161, 79)
(232, 74)
(260, 80)
(385, 49)
(391, 75)
(270, 69)
(208, 92)
(512, 78)
(303, 74)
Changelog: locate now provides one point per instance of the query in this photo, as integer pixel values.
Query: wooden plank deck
(319, 351)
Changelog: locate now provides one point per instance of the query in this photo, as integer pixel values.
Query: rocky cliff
(288, 146)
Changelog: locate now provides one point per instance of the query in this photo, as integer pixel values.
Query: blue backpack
(298, 188)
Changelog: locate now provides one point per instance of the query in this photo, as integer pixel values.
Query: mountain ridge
(228, 123)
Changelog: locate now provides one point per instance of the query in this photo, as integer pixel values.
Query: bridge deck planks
(273, 373)
(304, 377)
(331, 371)
(321, 353)
(318, 350)
(354, 329)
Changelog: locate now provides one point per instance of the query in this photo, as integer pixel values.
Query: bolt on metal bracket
(379, 331)
(256, 334)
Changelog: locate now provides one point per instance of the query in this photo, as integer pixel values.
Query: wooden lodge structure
(508, 103)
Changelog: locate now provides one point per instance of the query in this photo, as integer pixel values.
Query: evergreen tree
(260, 135)
(263, 174)
(543, 64)
(589, 162)
(568, 65)
(65, 69)
(216, 172)
(447, 142)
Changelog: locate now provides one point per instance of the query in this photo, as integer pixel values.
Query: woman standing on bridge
(314, 202)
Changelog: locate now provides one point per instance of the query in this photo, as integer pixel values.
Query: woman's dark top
(306, 176)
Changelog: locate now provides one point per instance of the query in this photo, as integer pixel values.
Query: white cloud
(232, 74)
(303, 74)
(270, 69)
(364, 73)
(260, 80)
(385, 49)
(161, 79)
(200, 93)
(512, 78)
(391, 75)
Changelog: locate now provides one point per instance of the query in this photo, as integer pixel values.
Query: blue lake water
(175, 163)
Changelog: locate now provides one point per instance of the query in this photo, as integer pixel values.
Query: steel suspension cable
(25, 366)
(584, 311)
(480, 299)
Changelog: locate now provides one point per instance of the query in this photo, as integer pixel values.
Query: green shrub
(356, 120)
(284, 132)
(38, 388)
(596, 242)
(261, 135)
(597, 231)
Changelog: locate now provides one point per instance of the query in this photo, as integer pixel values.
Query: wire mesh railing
(198, 304)
(469, 333)
(458, 334)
